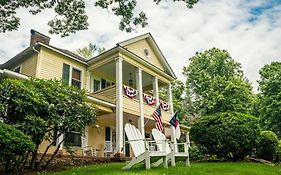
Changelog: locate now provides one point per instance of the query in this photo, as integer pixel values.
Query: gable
(154, 56)
(139, 48)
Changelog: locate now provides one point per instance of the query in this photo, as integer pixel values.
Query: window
(65, 74)
(76, 78)
(17, 69)
(73, 138)
(96, 85)
(70, 73)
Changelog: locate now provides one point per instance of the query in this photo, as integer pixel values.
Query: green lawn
(239, 168)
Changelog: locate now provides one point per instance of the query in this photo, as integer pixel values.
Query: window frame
(70, 75)
(18, 67)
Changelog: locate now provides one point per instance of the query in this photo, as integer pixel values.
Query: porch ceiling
(108, 72)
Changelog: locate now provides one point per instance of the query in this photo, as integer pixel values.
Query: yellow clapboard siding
(51, 64)
(28, 67)
(138, 49)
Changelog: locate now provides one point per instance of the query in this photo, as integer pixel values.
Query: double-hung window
(73, 138)
(71, 76)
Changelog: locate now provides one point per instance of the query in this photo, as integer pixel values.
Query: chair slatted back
(160, 139)
(135, 139)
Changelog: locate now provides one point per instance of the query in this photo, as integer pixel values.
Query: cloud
(248, 30)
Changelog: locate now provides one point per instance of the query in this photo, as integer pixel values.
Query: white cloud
(179, 32)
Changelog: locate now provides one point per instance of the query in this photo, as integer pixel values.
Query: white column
(156, 90)
(84, 138)
(173, 134)
(59, 140)
(88, 82)
(170, 99)
(119, 105)
(139, 88)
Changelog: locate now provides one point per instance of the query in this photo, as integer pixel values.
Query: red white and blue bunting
(130, 92)
(164, 105)
(150, 100)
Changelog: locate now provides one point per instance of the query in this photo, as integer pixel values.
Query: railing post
(119, 105)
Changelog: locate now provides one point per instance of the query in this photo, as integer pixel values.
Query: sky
(250, 30)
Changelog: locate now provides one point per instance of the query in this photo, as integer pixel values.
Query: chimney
(38, 37)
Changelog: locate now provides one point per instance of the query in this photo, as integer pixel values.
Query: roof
(154, 45)
(70, 53)
(148, 36)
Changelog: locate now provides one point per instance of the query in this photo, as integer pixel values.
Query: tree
(44, 110)
(181, 101)
(71, 15)
(215, 83)
(90, 51)
(269, 103)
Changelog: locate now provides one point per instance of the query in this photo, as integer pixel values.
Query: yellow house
(123, 82)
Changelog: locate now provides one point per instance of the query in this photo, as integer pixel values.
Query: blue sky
(250, 30)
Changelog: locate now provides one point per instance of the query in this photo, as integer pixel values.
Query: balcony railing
(131, 102)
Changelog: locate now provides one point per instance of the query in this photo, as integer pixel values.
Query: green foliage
(14, 147)
(71, 15)
(89, 52)
(270, 97)
(215, 83)
(181, 102)
(227, 135)
(196, 153)
(267, 145)
(39, 107)
(278, 152)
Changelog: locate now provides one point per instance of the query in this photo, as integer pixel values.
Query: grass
(216, 168)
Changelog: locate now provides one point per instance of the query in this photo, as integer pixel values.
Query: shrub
(14, 147)
(227, 135)
(267, 145)
(196, 153)
(278, 152)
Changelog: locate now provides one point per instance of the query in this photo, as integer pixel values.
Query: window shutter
(107, 134)
(65, 74)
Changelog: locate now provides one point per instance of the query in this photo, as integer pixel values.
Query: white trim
(98, 101)
(11, 74)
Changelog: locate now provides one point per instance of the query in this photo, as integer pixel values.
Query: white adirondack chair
(159, 137)
(141, 150)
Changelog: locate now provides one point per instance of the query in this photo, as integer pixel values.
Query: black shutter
(65, 74)
(107, 134)
(103, 83)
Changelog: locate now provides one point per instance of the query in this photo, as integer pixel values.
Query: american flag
(157, 117)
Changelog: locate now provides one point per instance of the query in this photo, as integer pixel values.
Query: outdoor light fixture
(130, 80)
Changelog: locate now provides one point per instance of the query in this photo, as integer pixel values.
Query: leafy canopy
(215, 83)
(71, 15)
(269, 103)
(43, 108)
(90, 51)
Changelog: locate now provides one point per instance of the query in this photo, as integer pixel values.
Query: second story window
(76, 78)
(71, 76)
